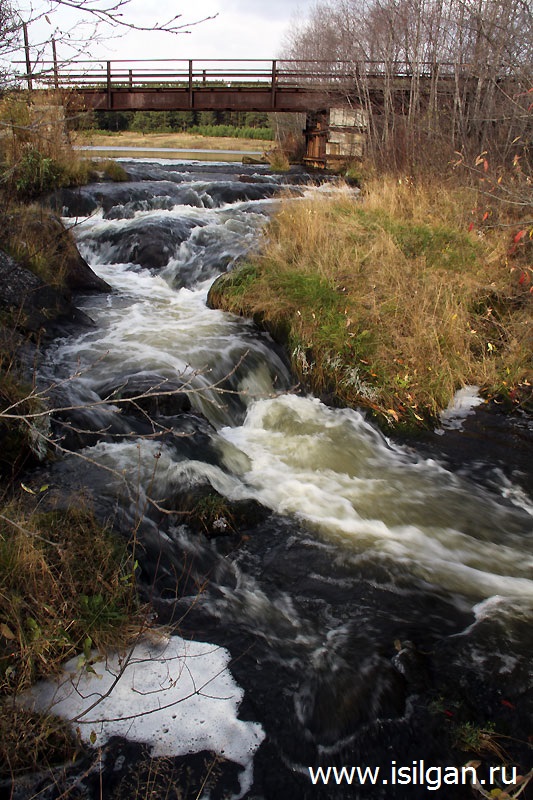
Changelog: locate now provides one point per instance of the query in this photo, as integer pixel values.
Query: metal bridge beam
(203, 99)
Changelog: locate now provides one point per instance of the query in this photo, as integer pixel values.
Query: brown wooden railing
(189, 73)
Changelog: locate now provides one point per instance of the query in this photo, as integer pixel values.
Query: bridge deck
(203, 99)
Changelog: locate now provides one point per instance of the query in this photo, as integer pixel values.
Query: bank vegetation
(395, 298)
(67, 582)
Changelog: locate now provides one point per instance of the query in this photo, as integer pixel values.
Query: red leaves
(519, 242)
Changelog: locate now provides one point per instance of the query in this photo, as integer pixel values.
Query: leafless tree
(89, 20)
(474, 57)
(10, 30)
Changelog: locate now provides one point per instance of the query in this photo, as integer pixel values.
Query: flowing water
(374, 601)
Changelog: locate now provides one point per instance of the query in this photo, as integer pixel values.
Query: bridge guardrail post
(56, 70)
(190, 84)
(274, 81)
(27, 53)
(108, 85)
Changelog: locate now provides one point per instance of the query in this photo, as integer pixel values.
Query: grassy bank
(66, 585)
(182, 141)
(392, 301)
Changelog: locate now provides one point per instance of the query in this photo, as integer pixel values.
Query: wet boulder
(79, 202)
(150, 243)
(148, 394)
(234, 191)
(134, 196)
(43, 245)
(341, 698)
(32, 304)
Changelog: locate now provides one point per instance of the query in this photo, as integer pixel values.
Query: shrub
(278, 160)
(115, 172)
(35, 174)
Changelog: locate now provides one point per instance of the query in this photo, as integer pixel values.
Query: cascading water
(371, 597)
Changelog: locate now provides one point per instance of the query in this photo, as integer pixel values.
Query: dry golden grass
(390, 301)
(36, 155)
(64, 581)
(35, 238)
(66, 585)
(182, 141)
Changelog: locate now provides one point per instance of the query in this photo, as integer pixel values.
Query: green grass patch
(232, 131)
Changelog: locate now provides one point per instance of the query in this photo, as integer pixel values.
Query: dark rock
(73, 202)
(78, 275)
(150, 243)
(224, 192)
(111, 197)
(214, 515)
(254, 179)
(144, 404)
(85, 426)
(34, 305)
(154, 395)
(57, 246)
(340, 697)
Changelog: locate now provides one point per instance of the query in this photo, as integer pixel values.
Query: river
(376, 601)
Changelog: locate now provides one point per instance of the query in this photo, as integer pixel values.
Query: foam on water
(176, 696)
(335, 471)
(461, 405)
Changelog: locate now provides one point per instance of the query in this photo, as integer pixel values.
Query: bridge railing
(194, 74)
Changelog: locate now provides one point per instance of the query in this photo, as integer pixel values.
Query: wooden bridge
(229, 85)
(336, 96)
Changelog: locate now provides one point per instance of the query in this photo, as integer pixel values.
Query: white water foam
(176, 696)
(332, 469)
(459, 408)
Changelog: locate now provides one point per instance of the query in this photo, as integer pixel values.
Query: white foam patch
(176, 696)
(460, 407)
(503, 608)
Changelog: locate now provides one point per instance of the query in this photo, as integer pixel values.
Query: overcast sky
(240, 29)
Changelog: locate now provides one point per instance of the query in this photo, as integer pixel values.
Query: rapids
(374, 601)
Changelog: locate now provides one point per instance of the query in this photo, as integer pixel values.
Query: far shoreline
(181, 144)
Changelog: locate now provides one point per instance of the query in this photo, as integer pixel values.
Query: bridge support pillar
(335, 135)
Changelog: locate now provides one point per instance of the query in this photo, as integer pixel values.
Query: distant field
(186, 141)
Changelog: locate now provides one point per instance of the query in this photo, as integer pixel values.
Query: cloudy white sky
(240, 29)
